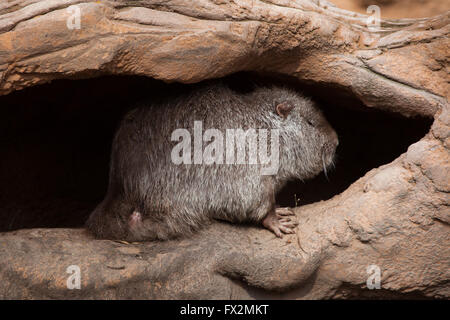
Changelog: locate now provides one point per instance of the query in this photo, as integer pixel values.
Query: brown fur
(149, 197)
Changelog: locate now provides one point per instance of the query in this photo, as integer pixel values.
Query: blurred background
(391, 9)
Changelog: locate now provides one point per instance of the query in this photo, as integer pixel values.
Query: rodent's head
(307, 141)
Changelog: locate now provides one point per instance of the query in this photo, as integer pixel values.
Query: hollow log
(394, 219)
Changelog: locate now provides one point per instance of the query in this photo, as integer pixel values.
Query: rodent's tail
(114, 219)
(108, 220)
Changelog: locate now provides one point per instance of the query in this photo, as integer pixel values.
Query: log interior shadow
(56, 139)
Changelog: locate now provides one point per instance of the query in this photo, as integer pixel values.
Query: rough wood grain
(396, 216)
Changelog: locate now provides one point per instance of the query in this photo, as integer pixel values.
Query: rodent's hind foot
(281, 220)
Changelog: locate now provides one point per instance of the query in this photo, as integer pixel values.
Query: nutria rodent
(152, 197)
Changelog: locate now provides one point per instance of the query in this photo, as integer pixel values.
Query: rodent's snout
(329, 147)
(335, 140)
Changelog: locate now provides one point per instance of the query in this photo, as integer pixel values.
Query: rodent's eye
(310, 122)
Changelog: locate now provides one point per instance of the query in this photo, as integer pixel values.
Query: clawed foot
(281, 220)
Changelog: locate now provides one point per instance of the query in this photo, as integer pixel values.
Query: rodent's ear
(284, 108)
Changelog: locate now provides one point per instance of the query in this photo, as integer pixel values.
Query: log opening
(56, 142)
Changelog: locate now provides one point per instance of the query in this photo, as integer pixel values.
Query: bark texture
(395, 217)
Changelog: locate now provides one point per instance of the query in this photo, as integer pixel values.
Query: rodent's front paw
(281, 220)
